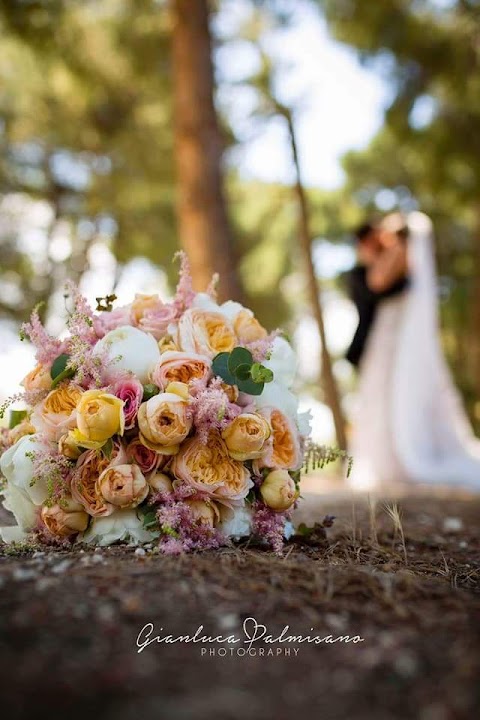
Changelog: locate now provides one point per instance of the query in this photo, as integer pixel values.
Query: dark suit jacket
(366, 302)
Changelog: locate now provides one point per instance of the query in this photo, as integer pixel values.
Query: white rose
(24, 511)
(236, 522)
(121, 525)
(17, 467)
(282, 362)
(304, 422)
(131, 349)
(275, 395)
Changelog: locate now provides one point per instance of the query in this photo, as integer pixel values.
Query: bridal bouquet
(171, 423)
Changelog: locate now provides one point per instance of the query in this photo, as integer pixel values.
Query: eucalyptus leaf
(260, 373)
(250, 387)
(239, 356)
(220, 368)
(242, 372)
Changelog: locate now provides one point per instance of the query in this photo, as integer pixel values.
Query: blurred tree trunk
(204, 228)
(332, 395)
(475, 305)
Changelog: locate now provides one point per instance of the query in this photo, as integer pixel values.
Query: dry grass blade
(393, 511)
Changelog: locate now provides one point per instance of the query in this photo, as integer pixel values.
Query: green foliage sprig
(239, 368)
(105, 304)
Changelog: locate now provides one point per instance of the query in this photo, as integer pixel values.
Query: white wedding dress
(410, 425)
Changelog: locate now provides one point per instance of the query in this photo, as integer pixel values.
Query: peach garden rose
(123, 486)
(206, 333)
(210, 469)
(181, 367)
(56, 414)
(63, 520)
(90, 466)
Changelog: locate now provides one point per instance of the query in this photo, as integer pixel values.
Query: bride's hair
(396, 223)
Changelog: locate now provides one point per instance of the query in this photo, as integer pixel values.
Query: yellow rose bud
(204, 513)
(68, 447)
(160, 483)
(247, 328)
(123, 486)
(65, 519)
(99, 416)
(246, 435)
(278, 490)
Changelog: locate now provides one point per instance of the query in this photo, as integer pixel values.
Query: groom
(371, 245)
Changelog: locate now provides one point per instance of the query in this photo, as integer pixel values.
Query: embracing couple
(410, 425)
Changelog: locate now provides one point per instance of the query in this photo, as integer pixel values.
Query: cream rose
(123, 486)
(164, 423)
(181, 367)
(56, 414)
(99, 416)
(206, 333)
(246, 435)
(64, 520)
(278, 490)
(209, 468)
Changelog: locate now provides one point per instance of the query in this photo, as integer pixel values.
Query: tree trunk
(474, 348)
(332, 395)
(204, 228)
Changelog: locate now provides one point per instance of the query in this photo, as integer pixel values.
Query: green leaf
(250, 387)
(304, 530)
(239, 356)
(149, 391)
(150, 519)
(107, 449)
(242, 372)
(16, 417)
(59, 365)
(220, 368)
(59, 370)
(260, 373)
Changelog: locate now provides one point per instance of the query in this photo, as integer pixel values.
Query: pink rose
(151, 315)
(146, 459)
(106, 321)
(181, 367)
(130, 390)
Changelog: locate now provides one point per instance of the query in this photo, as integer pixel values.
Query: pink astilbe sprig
(52, 469)
(181, 532)
(80, 319)
(261, 349)
(211, 408)
(269, 525)
(47, 348)
(184, 293)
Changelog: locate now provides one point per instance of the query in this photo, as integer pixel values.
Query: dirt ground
(69, 623)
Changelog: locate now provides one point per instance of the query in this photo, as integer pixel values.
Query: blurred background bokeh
(254, 134)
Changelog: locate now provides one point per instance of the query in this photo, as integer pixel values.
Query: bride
(410, 425)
